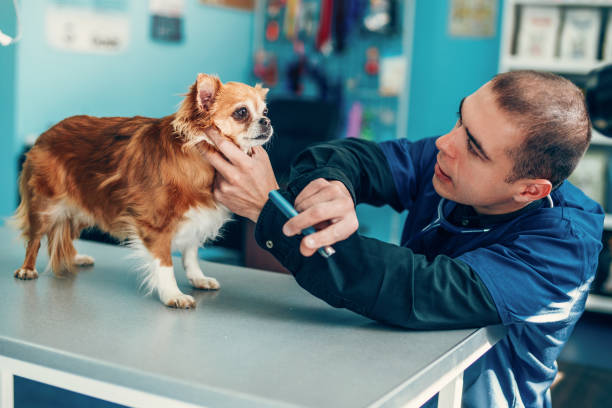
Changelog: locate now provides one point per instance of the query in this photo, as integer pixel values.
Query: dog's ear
(208, 86)
(262, 91)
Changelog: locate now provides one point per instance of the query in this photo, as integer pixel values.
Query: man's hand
(243, 182)
(328, 206)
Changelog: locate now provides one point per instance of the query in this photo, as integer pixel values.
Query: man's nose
(446, 144)
(264, 121)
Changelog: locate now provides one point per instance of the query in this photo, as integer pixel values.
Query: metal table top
(260, 340)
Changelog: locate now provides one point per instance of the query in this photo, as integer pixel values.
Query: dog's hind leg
(194, 273)
(33, 226)
(28, 269)
(61, 250)
(80, 259)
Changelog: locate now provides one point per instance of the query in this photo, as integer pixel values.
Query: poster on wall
(87, 28)
(167, 20)
(241, 4)
(473, 18)
(392, 75)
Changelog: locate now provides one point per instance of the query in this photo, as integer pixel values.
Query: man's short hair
(552, 114)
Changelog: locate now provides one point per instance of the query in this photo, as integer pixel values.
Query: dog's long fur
(138, 178)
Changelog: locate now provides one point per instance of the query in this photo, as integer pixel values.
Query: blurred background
(371, 69)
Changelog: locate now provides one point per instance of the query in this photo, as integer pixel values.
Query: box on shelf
(607, 51)
(580, 34)
(591, 174)
(537, 36)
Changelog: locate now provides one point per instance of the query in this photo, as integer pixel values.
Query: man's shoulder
(578, 209)
(405, 153)
(424, 144)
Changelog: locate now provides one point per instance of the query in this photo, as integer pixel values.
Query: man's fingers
(214, 135)
(307, 218)
(311, 189)
(323, 212)
(219, 163)
(329, 235)
(306, 251)
(236, 156)
(229, 149)
(335, 232)
(226, 158)
(259, 151)
(328, 193)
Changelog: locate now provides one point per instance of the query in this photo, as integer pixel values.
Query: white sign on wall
(168, 8)
(473, 18)
(392, 75)
(86, 29)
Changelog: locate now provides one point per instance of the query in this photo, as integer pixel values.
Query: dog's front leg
(161, 278)
(194, 273)
(168, 290)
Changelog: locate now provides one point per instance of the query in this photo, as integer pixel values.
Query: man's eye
(240, 113)
(471, 148)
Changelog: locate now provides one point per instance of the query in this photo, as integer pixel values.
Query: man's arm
(328, 180)
(360, 165)
(382, 281)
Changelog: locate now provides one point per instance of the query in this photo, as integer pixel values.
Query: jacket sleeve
(382, 281)
(360, 165)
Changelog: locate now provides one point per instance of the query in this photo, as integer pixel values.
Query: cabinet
(569, 38)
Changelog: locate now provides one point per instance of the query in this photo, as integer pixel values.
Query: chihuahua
(142, 180)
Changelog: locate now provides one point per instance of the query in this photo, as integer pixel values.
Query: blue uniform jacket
(537, 268)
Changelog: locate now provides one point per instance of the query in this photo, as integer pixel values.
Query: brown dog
(140, 179)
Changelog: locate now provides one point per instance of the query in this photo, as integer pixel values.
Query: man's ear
(208, 86)
(532, 190)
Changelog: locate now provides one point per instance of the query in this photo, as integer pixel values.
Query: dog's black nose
(264, 121)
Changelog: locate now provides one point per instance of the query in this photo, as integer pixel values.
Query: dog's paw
(26, 274)
(83, 260)
(181, 301)
(204, 283)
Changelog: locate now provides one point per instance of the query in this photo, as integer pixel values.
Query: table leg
(6, 388)
(450, 395)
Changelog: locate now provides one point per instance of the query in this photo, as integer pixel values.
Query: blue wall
(8, 166)
(445, 69)
(147, 78)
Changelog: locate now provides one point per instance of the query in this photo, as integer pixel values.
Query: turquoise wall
(445, 68)
(147, 78)
(8, 166)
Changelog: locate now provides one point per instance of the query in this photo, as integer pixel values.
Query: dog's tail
(59, 245)
(20, 219)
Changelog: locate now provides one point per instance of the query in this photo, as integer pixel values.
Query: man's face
(473, 163)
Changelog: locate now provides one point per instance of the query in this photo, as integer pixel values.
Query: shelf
(599, 303)
(608, 222)
(597, 139)
(595, 3)
(557, 65)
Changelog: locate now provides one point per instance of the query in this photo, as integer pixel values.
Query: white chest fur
(199, 225)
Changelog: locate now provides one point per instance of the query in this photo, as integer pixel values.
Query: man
(494, 233)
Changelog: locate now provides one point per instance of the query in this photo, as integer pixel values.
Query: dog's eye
(265, 112)
(241, 113)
